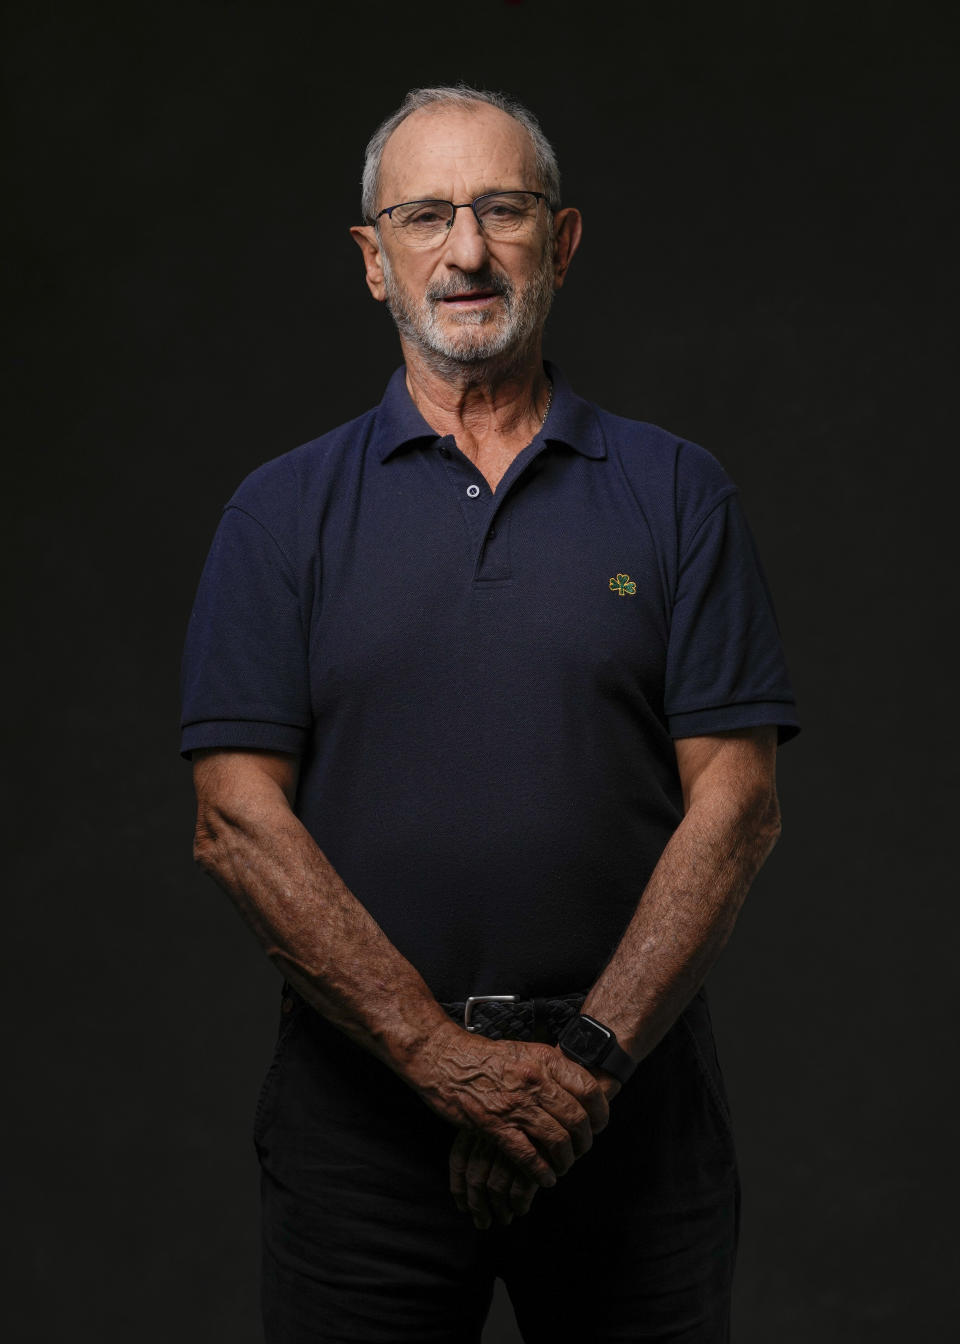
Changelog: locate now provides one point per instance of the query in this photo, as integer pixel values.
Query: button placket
(475, 499)
(493, 560)
(490, 534)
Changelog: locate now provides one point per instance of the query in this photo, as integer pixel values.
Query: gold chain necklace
(543, 418)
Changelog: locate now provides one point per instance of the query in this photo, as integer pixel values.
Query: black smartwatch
(595, 1046)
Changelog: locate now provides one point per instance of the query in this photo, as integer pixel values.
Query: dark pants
(362, 1240)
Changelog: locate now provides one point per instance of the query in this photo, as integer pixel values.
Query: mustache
(483, 279)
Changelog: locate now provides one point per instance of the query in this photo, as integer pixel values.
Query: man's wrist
(416, 1062)
(593, 1044)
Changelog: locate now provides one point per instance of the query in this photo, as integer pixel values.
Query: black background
(769, 269)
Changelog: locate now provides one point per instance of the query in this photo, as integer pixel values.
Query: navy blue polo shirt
(484, 687)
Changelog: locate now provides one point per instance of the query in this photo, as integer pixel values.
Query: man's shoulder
(282, 481)
(643, 438)
(664, 463)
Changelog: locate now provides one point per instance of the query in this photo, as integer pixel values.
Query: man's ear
(365, 236)
(567, 230)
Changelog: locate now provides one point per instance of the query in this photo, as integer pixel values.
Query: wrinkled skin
(486, 1184)
(532, 1104)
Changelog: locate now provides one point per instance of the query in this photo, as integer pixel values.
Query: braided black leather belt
(505, 1017)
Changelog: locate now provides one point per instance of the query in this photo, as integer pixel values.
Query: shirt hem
(240, 733)
(752, 714)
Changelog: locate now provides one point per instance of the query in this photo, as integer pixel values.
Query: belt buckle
(482, 998)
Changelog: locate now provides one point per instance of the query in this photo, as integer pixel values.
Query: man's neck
(492, 413)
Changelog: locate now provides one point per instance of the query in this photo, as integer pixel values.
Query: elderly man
(483, 692)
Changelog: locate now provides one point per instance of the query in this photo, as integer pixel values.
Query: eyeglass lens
(501, 215)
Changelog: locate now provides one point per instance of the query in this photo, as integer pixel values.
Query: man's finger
(572, 1117)
(509, 1190)
(519, 1149)
(459, 1156)
(500, 1179)
(559, 1150)
(498, 1183)
(479, 1163)
(521, 1194)
(573, 1077)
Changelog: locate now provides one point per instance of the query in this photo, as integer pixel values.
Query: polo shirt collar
(572, 421)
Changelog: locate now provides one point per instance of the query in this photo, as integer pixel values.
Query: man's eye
(427, 215)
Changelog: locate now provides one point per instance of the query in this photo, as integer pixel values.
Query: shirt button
(444, 450)
(473, 491)
(491, 534)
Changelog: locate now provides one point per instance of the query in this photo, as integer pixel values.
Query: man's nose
(466, 243)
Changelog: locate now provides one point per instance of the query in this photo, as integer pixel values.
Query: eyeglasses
(507, 215)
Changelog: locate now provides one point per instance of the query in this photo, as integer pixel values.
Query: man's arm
(541, 1109)
(688, 909)
(684, 917)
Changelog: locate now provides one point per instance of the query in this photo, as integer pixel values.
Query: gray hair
(463, 96)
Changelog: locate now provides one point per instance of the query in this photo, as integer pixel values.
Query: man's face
(471, 298)
(471, 317)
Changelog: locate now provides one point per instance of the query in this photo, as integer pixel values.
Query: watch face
(587, 1040)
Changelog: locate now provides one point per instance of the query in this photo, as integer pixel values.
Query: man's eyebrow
(439, 196)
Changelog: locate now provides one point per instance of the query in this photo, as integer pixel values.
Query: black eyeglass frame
(465, 205)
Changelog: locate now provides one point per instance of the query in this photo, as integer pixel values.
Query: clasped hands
(524, 1113)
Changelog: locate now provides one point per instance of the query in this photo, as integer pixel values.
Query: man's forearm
(684, 917)
(313, 928)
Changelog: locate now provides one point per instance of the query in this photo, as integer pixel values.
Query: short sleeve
(725, 662)
(244, 674)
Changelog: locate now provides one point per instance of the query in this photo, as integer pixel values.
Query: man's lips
(470, 296)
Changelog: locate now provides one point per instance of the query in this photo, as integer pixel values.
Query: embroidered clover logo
(623, 585)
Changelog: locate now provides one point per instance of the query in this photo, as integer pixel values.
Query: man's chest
(430, 579)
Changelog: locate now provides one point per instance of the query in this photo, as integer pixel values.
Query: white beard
(481, 336)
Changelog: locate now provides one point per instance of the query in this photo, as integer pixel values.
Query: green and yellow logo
(623, 585)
